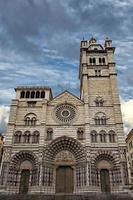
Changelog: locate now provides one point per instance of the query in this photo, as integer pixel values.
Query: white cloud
(4, 114)
(127, 114)
(119, 3)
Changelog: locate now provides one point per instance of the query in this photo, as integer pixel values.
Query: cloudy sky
(39, 45)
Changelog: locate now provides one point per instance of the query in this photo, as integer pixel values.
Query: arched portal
(66, 155)
(105, 165)
(65, 143)
(23, 172)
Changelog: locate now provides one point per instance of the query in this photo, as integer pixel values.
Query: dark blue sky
(40, 39)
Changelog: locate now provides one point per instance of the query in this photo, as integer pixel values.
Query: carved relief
(65, 144)
(64, 156)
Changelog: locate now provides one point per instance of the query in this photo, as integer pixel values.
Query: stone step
(66, 197)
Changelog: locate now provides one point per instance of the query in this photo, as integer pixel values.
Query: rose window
(65, 113)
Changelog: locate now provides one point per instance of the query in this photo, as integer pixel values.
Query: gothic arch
(65, 143)
(107, 156)
(21, 156)
(106, 164)
(17, 137)
(21, 163)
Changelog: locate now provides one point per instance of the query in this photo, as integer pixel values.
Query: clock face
(65, 113)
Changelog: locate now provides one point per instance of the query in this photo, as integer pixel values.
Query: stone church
(67, 144)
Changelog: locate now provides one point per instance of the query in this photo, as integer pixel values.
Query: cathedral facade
(66, 144)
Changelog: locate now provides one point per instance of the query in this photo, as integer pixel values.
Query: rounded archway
(105, 166)
(65, 144)
(23, 171)
(65, 161)
(22, 156)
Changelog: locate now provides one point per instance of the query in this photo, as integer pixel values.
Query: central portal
(64, 179)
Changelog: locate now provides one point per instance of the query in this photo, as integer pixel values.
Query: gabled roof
(66, 96)
(92, 46)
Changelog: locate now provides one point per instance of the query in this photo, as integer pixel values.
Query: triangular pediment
(66, 97)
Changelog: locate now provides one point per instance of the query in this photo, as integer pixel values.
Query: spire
(108, 42)
(83, 43)
(92, 41)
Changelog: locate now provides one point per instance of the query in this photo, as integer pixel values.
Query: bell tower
(97, 75)
(98, 90)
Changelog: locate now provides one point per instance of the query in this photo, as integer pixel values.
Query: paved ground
(66, 197)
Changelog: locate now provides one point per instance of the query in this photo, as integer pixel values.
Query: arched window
(99, 102)
(27, 121)
(32, 94)
(30, 119)
(100, 119)
(94, 61)
(49, 134)
(22, 94)
(112, 136)
(35, 137)
(103, 60)
(103, 120)
(27, 94)
(26, 137)
(93, 136)
(43, 95)
(80, 134)
(99, 60)
(37, 94)
(102, 135)
(90, 61)
(97, 120)
(17, 137)
(33, 121)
